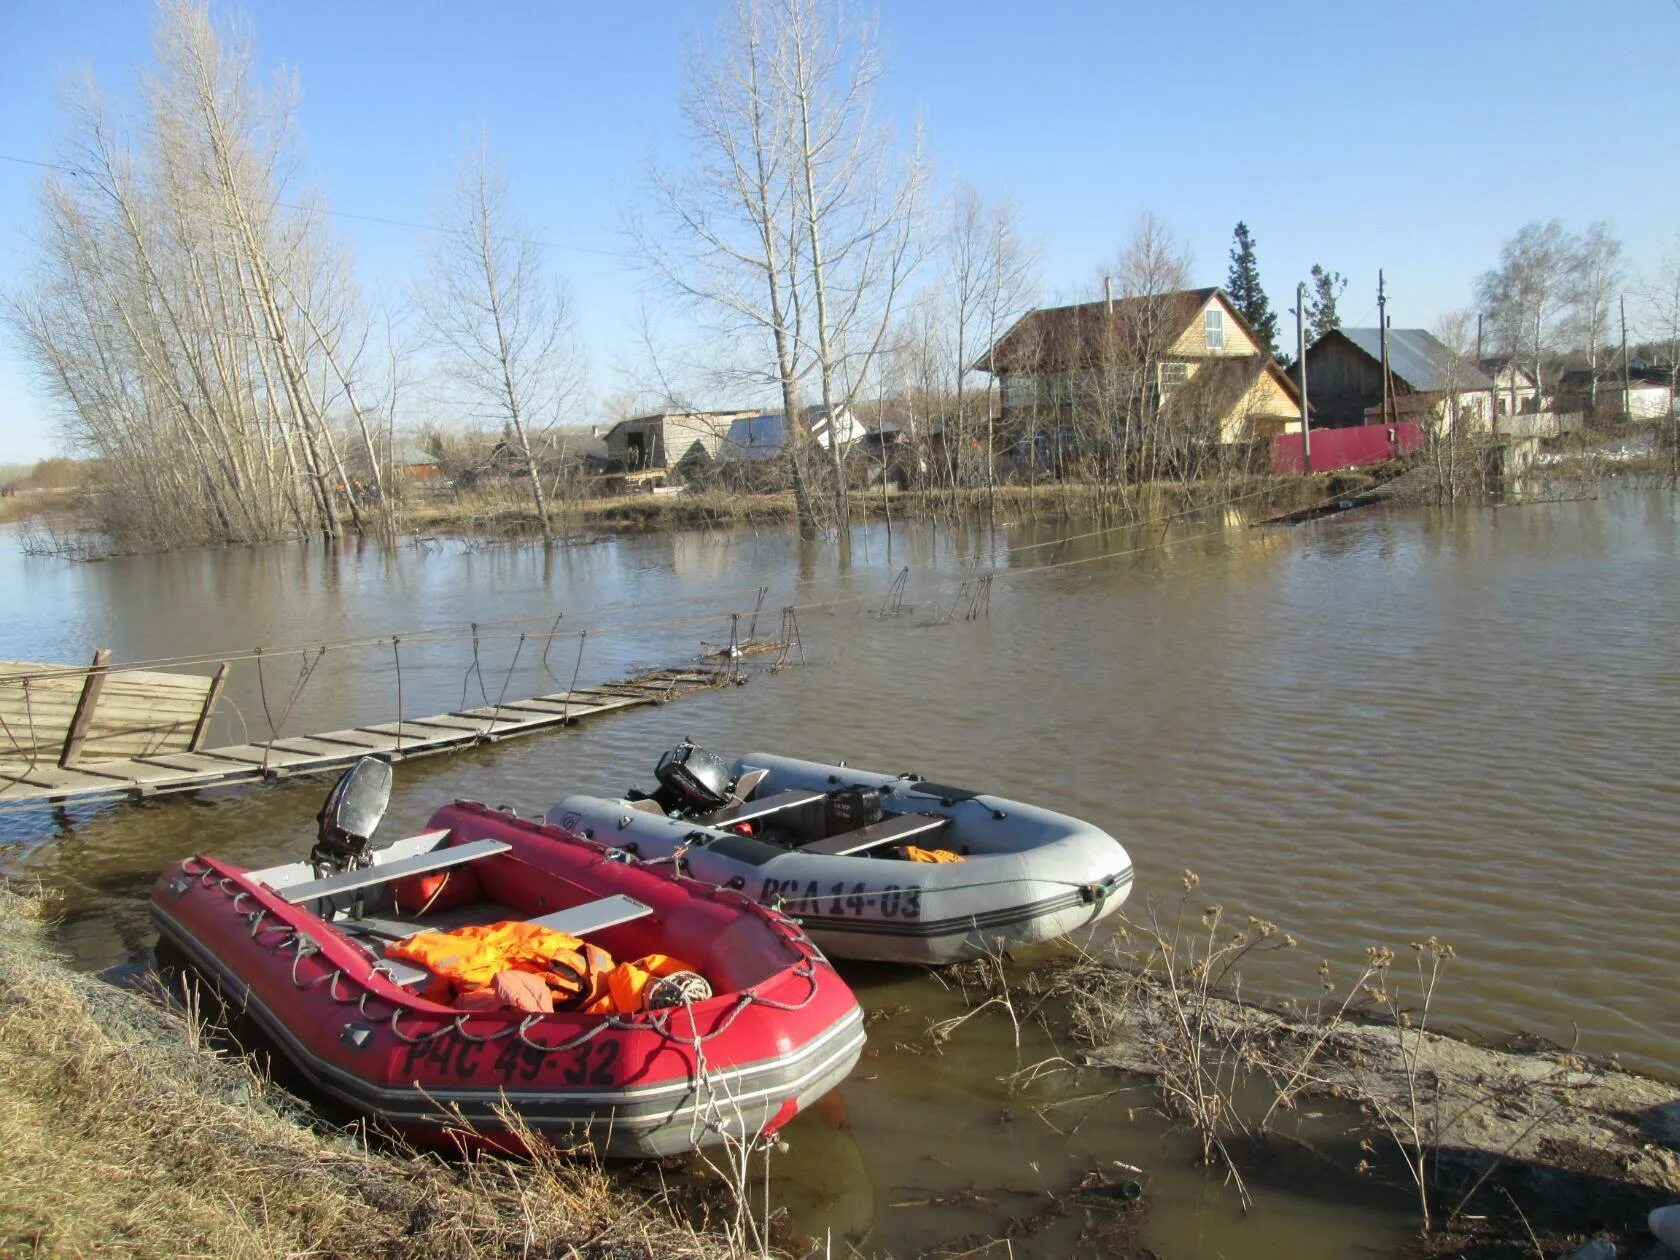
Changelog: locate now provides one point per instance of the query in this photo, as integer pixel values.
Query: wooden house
(1514, 387)
(1187, 352)
(670, 440)
(1427, 382)
(1641, 393)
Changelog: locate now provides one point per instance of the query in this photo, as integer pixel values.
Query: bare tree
(1595, 273)
(1662, 303)
(1451, 429)
(505, 327)
(1526, 291)
(987, 275)
(796, 219)
(186, 313)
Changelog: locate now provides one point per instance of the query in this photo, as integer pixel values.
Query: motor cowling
(699, 779)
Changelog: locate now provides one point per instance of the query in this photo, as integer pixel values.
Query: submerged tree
(1323, 289)
(1242, 286)
(504, 326)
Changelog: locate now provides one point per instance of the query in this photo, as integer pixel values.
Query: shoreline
(130, 1134)
(1509, 1150)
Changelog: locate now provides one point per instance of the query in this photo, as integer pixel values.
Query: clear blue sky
(1414, 137)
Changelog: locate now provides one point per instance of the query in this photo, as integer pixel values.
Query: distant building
(1426, 380)
(1187, 352)
(560, 450)
(670, 440)
(414, 462)
(764, 436)
(1648, 391)
(1514, 388)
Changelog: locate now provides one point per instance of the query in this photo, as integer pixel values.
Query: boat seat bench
(384, 873)
(753, 811)
(592, 916)
(894, 830)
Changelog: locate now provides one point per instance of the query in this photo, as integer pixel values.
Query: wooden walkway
(155, 773)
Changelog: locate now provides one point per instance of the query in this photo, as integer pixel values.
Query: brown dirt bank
(1523, 1149)
(126, 1135)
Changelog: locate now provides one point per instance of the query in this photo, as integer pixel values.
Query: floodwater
(1372, 729)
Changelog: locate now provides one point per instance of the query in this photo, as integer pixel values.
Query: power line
(386, 220)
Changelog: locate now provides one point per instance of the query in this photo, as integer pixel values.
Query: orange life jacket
(930, 855)
(473, 962)
(627, 984)
(470, 957)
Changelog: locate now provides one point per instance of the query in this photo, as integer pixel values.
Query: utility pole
(1382, 334)
(1301, 363)
(1627, 375)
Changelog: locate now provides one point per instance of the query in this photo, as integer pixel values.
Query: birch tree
(1595, 274)
(1662, 304)
(1524, 294)
(795, 220)
(986, 271)
(504, 327)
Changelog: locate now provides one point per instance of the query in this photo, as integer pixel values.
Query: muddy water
(1371, 729)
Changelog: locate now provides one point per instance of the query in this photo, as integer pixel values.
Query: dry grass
(126, 1136)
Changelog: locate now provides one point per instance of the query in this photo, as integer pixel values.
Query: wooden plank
(91, 687)
(449, 722)
(198, 764)
(357, 739)
(367, 876)
(413, 735)
(318, 748)
(155, 681)
(210, 698)
(595, 701)
(148, 773)
(275, 758)
(559, 709)
(506, 716)
(62, 782)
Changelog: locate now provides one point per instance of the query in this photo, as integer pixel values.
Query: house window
(1173, 375)
(1213, 328)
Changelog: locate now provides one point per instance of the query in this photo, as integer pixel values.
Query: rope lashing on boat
(302, 946)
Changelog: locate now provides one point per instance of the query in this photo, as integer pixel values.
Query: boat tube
(305, 958)
(827, 844)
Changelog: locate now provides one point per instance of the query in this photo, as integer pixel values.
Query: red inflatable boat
(304, 955)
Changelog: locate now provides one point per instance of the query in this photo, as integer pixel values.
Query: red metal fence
(1346, 448)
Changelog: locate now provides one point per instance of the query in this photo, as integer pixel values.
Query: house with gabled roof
(1427, 381)
(1187, 353)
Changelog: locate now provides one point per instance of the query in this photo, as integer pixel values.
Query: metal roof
(1418, 359)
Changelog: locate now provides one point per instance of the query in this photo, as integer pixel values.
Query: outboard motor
(350, 815)
(694, 779)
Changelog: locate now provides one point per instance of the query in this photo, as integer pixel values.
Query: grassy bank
(499, 513)
(127, 1135)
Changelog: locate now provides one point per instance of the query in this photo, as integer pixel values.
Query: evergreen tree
(1242, 286)
(1322, 292)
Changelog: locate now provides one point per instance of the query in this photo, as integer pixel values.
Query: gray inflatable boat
(832, 846)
